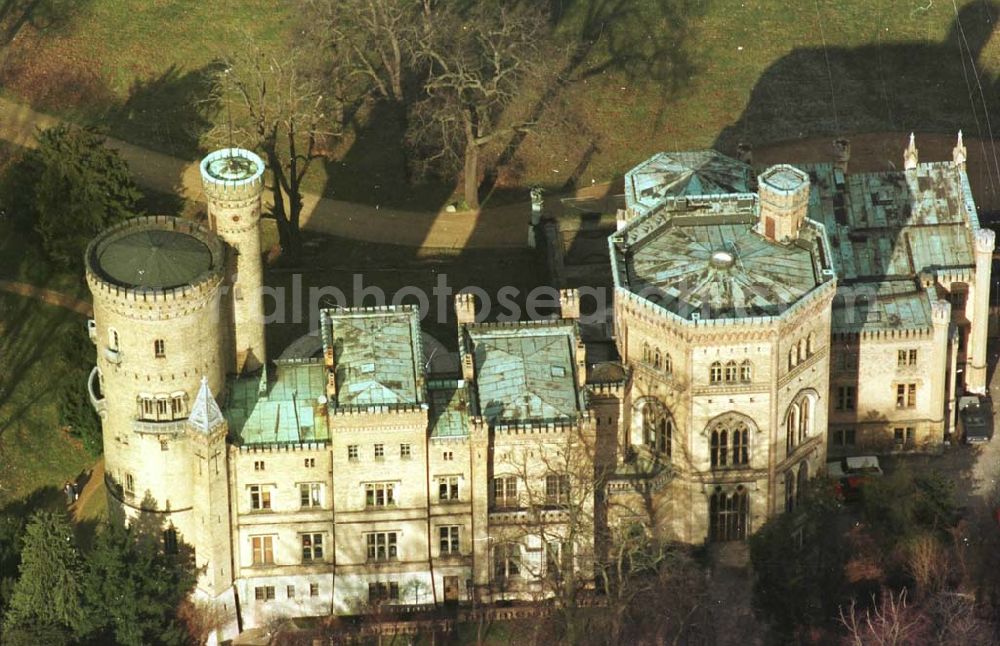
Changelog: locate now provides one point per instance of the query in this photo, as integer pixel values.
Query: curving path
(501, 227)
(49, 296)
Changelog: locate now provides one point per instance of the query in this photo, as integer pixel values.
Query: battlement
(232, 174)
(155, 261)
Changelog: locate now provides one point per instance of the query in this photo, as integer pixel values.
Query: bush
(75, 410)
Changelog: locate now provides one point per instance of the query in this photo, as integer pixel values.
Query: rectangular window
(352, 452)
(309, 463)
(170, 541)
(448, 456)
(448, 488)
(313, 589)
(906, 358)
(505, 491)
(177, 406)
(380, 494)
(912, 358)
(311, 494)
(290, 591)
(263, 550)
(506, 561)
(844, 437)
(449, 539)
(906, 395)
(380, 451)
(312, 547)
(381, 546)
(258, 465)
(264, 593)
(404, 451)
(556, 489)
(845, 398)
(162, 408)
(129, 484)
(148, 408)
(159, 349)
(260, 497)
(381, 592)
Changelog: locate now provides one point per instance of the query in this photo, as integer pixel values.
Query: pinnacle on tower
(959, 153)
(910, 156)
(205, 413)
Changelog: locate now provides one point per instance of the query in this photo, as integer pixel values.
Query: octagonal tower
(233, 181)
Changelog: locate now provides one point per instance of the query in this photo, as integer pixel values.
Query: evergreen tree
(67, 190)
(136, 589)
(47, 598)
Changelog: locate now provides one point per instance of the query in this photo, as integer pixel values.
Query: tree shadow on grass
(15, 15)
(170, 111)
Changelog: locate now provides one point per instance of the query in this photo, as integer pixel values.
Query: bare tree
(889, 622)
(376, 38)
(557, 521)
(280, 111)
(475, 69)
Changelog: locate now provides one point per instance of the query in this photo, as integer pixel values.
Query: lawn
(659, 75)
(36, 455)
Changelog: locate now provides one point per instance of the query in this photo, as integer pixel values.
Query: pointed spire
(910, 157)
(959, 153)
(205, 413)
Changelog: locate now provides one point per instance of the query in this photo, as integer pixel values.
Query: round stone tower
(156, 283)
(233, 181)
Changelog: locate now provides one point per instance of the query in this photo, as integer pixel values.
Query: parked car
(975, 418)
(852, 473)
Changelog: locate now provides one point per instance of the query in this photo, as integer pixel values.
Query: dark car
(975, 419)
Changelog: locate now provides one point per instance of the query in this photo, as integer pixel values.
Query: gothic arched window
(657, 359)
(731, 371)
(720, 447)
(728, 514)
(645, 352)
(657, 428)
(715, 372)
(805, 418)
(729, 442)
(746, 371)
(668, 364)
(740, 439)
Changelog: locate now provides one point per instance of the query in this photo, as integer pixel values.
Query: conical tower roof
(205, 413)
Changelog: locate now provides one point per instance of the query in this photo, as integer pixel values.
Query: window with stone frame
(381, 546)
(506, 561)
(556, 489)
(728, 514)
(382, 592)
(448, 539)
(715, 372)
(657, 427)
(352, 452)
(380, 451)
(846, 398)
(729, 442)
(264, 593)
(448, 488)
(732, 372)
(310, 494)
(746, 371)
(262, 550)
(312, 547)
(505, 492)
(260, 497)
(380, 494)
(906, 395)
(159, 349)
(404, 452)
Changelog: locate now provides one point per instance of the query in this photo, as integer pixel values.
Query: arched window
(645, 352)
(740, 439)
(801, 351)
(811, 344)
(657, 428)
(731, 371)
(656, 359)
(790, 490)
(791, 358)
(112, 339)
(715, 372)
(805, 418)
(720, 447)
(746, 371)
(791, 426)
(728, 514)
(668, 364)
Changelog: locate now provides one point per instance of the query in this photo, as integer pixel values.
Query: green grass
(36, 455)
(664, 75)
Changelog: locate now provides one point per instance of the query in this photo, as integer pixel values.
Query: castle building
(763, 322)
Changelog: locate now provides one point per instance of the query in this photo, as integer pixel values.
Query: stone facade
(748, 351)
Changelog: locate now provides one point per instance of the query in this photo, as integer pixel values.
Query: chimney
(581, 364)
(744, 153)
(841, 153)
(468, 369)
(331, 384)
(910, 157)
(959, 154)
(465, 308)
(569, 303)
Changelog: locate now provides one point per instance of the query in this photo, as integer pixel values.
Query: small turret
(959, 154)
(465, 308)
(569, 303)
(784, 201)
(841, 153)
(910, 155)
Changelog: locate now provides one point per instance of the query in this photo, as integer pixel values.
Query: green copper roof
(232, 167)
(525, 372)
(449, 408)
(376, 356)
(290, 409)
(677, 174)
(154, 259)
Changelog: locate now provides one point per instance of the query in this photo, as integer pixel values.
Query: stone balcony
(94, 390)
